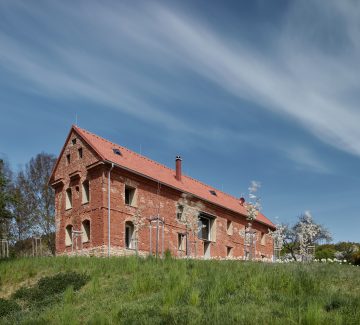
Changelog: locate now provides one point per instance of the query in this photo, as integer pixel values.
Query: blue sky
(242, 90)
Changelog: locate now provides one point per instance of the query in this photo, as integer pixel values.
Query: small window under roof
(117, 151)
(212, 192)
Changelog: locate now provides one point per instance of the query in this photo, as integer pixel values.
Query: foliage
(253, 207)
(325, 251)
(27, 202)
(342, 251)
(39, 196)
(8, 307)
(149, 291)
(308, 233)
(297, 240)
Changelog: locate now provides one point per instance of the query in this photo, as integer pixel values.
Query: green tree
(325, 251)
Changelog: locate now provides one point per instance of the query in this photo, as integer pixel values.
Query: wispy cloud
(98, 45)
(304, 159)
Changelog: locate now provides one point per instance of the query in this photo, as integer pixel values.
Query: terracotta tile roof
(142, 165)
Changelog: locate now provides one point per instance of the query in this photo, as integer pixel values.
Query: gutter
(182, 191)
(109, 210)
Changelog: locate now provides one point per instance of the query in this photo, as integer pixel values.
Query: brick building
(148, 206)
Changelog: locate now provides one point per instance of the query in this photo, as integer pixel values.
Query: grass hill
(147, 291)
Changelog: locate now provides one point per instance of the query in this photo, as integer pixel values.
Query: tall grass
(147, 291)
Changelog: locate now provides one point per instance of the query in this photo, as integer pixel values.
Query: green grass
(147, 291)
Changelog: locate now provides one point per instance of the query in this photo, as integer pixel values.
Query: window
(129, 195)
(68, 203)
(129, 234)
(68, 235)
(73, 141)
(229, 251)
(68, 159)
(85, 228)
(212, 192)
(80, 152)
(182, 242)
(117, 151)
(204, 228)
(85, 192)
(263, 238)
(179, 212)
(229, 227)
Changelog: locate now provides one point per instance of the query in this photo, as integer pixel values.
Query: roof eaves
(181, 190)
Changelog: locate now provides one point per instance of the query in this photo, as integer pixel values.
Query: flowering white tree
(189, 216)
(253, 207)
(300, 238)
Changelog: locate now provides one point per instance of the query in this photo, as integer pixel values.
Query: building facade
(110, 200)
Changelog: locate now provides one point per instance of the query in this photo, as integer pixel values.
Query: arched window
(68, 235)
(85, 228)
(129, 235)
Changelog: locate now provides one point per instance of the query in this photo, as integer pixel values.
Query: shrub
(7, 307)
(49, 287)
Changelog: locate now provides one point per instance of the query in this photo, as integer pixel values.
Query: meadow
(132, 290)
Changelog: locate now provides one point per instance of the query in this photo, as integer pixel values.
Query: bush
(7, 307)
(48, 288)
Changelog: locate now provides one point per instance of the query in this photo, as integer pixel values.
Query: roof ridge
(159, 164)
(132, 151)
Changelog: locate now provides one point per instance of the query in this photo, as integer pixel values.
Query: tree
(325, 251)
(38, 197)
(5, 199)
(253, 207)
(346, 250)
(23, 219)
(298, 239)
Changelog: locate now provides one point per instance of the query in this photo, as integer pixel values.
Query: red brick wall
(149, 203)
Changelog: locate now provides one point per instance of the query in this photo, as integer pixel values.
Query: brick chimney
(178, 168)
